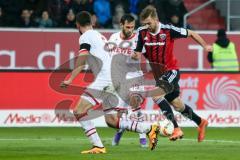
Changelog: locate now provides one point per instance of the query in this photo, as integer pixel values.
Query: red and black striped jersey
(159, 46)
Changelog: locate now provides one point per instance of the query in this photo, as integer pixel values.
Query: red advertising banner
(211, 91)
(47, 49)
(40, 90)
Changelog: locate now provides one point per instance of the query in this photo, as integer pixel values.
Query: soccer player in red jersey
(158, 40)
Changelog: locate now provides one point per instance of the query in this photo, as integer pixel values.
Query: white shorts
(102, 91)
(94, 89)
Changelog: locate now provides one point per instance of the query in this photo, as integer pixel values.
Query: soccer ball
(166, 128)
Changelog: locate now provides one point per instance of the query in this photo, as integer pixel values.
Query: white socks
(135, 126)
(140, 118)
(142, 135)
(91, 133)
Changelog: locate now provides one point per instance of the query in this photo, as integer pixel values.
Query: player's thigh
(97, 88)
(112, 120)
(82, 106)
(174, 79)
(91, 96)
(156, 98)
(135, 100)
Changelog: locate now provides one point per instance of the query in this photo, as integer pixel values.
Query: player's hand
(65, 84)
(136, 56)
(208, 48)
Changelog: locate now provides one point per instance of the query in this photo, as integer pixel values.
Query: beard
(126, 34)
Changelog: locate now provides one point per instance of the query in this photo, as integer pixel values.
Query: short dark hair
(84, 18)
(148, 11)
(127, 17)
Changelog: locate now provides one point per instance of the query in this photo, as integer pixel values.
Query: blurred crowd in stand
(61, 13)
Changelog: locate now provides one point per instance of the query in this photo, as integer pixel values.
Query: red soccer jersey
(159, 46)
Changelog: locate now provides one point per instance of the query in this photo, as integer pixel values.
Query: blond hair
(148, 11)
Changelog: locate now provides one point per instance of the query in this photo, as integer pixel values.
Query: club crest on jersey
(162, 36)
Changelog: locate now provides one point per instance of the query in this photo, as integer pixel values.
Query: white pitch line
(213, 140)
(124, 139)
(54, 139)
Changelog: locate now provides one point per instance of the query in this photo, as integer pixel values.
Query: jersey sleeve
(176, 32)
(84, 44)
(140, 42)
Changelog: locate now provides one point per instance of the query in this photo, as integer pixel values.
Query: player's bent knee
(178, 104)
(112, 120)
(135, 100)
(156, 98)
(82, 106)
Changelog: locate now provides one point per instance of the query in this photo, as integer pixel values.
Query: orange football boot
(202, 129)
(153, 136)
(177, 134)
(95, 150)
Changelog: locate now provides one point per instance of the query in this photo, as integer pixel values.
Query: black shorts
(173, 77)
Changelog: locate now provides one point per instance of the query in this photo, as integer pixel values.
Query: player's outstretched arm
(199, 40)
(80, 64)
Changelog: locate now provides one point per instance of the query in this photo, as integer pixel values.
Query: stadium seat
(208, 18)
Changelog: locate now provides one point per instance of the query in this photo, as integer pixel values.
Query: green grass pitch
(66, 144)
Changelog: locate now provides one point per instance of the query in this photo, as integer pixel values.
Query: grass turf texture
(66, 144)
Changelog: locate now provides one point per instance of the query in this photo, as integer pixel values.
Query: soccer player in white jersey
(124, 43)
(92, 45)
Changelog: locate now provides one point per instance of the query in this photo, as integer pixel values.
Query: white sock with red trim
(134, 126)
(140, 118)
(91, 133)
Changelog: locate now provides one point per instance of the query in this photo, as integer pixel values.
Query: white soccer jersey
(101, 65)
(100, 61)
(125, 47)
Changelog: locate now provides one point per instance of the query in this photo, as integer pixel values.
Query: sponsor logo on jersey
(155, 43)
